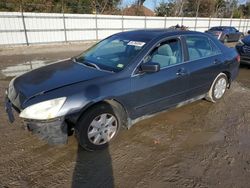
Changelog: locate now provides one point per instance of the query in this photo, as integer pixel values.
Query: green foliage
(164, 9)
(68, 6)
(204, 8)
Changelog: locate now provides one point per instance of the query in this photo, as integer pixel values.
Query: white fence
(33, 28)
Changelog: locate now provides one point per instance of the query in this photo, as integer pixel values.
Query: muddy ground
(198, 145)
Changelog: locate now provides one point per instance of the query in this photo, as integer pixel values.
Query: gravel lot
(198, 145)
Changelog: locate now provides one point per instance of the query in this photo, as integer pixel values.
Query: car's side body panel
(156, 91)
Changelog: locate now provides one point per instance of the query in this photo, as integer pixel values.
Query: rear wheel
(218, 88)
(226, 39)
(98, 126)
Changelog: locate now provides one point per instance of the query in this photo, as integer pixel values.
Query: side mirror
(237, 30)
(150, 67)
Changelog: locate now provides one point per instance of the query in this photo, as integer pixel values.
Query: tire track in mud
(198, 145)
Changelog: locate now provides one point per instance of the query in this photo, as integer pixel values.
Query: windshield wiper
(87, 63)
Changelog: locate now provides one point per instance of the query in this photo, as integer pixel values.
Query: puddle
(16, 70)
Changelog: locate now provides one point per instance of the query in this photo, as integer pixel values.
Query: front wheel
(226, 39)
(218, 88)
(97, 127)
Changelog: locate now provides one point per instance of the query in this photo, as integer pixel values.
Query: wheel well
(113, 103)
(228, 74)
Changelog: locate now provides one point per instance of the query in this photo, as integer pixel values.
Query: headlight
(43, 110)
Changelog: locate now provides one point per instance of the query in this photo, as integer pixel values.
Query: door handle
(216, 62)
(181, 72)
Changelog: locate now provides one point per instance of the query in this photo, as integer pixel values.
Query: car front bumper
(53, 131)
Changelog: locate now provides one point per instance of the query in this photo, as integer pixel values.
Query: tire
(225, 39)
(241, 36)
(93, 122)
(218, 88)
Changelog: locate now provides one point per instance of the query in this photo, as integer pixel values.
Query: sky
(152, 3)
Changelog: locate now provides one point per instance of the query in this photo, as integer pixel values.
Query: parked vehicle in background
(122, 79)
(225, 33)
(243, 48)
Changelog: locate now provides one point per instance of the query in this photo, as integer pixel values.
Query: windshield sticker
(120, 65)
(136, 43)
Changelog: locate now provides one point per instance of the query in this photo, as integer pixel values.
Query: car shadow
(93, 169)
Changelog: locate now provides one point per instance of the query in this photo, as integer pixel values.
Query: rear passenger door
(204, 62)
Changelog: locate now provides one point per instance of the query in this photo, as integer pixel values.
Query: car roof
(222, 27)
(149, 34)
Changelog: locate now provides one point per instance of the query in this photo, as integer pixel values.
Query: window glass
(216, 29)
(215, 49)
(113, 53)
(233, 29)
(200, 47)
(167, 53)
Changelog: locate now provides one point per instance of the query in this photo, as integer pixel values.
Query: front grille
(246, 49)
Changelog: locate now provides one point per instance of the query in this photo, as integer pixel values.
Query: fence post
(195, 26)
(24, 26)
(244, 25)
(221, 21)
(182, 19)
(122, 23)
(64, 24)
(209, 22)
(247, 24)
(145, 22)
(165, 22)
(96, 27)
(231, 20)
(240, 24)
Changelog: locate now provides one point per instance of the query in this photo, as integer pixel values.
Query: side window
(216, 50)
(166, 53)
(200, 47)
(234, 29)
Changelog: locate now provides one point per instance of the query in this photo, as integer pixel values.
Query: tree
(164, 9)
(68, 6)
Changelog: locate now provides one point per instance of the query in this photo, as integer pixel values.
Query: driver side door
(153, 92)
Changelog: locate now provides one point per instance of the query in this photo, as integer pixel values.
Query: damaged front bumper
(53, 131)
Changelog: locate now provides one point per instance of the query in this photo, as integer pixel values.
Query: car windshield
(111, 54)
(216, 29)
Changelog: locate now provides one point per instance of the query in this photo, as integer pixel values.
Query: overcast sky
(152, 3)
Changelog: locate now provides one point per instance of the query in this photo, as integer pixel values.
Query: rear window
(216, 29)
(200, 47)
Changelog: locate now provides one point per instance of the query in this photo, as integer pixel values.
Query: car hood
(51, 77)
(246, 40)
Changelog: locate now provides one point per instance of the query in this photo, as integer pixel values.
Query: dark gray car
(122, 79)
(225, 33)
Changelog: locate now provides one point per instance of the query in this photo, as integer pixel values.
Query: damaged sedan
(122, 79)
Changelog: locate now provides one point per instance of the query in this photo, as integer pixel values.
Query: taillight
(238, 58)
